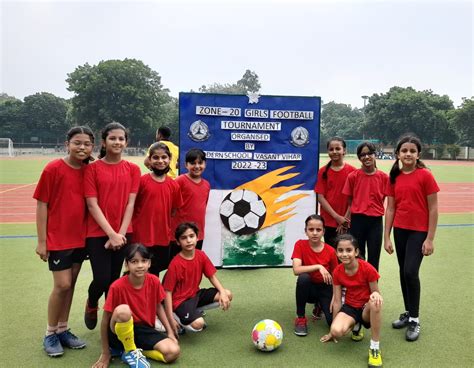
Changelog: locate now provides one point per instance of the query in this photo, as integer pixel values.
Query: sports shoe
(135, 359)
(375, 358)
(181, 330)
(71, 341)
(317, 313)
(213, 305)
(90, 316)
(52, 346)
(401, 322)
(159, 326)
(301, 329)
(204, 308)
(413, 331)
(357, 332)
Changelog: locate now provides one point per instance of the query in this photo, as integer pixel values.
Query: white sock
(374, 344)
(51, 330)
(411, 319)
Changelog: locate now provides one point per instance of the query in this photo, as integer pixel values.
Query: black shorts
(355, 313)
(145, 337)
(188, 311)
(60, 260)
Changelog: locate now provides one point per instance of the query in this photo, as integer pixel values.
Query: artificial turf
(446, 305)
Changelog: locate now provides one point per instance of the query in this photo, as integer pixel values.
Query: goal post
(6, 147)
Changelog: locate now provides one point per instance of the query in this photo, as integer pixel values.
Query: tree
(44, 116)
(126, 91)
(12, 123)
(453, 150)
(5, 97)
(248, 83)
(171, 111)
(402, 110)
(338, 119)
(462, 121)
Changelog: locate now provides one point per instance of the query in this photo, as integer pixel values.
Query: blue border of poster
(246, 136)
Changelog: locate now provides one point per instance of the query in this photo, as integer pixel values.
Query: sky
(338, 50)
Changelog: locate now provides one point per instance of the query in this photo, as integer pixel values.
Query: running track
(18, 206)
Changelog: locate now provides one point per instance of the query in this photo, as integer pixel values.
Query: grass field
(446, 304)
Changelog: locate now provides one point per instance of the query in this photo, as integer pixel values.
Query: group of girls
(104, 225)
(352, 207)
(351, 201)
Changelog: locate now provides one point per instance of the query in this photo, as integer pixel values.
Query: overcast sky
(339, 50)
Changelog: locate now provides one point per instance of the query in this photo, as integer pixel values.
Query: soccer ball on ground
(267, 335)
(243, 212)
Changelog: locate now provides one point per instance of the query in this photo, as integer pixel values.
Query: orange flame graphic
(277, 211)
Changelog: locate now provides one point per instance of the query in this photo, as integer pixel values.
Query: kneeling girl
(363, 302)
(130, 310)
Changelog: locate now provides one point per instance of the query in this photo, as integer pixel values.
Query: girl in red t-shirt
(412, 211)
(184, 297)
(157, 198)
(365, 189)
(128, 326)
(331, 180)
(61, 208)
(363, 302)
(313, 263)
(110, 188)
(195, 192)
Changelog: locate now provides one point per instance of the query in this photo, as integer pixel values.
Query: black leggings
(330, 234)
(106, 267)
(408, 244)
(368, 230)
(309, 292)
(160, 259)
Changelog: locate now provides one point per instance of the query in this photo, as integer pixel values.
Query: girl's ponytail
(102, 152)
(420, 164)
(325, 172)
(394, 172)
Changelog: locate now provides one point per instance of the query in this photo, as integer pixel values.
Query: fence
(26, 149)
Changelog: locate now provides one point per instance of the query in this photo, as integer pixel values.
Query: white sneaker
(159, 326)
(186, 327)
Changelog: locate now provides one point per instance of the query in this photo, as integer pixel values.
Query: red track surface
(18, 206)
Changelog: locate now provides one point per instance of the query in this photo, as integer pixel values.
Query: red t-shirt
(152, 216)
(367, 192)
(142, 302)
(357, 286)
(195, 197)
(184, 276)
(410, 192)
(61, 187)
(326, 258)
(111, 184)
(331, 188)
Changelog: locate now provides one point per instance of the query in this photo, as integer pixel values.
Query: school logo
(199, 131)
(299, 137)
(253, 97)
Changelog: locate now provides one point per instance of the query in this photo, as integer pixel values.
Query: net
(6, 147)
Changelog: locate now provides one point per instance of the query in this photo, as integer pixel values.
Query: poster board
(262, 163)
